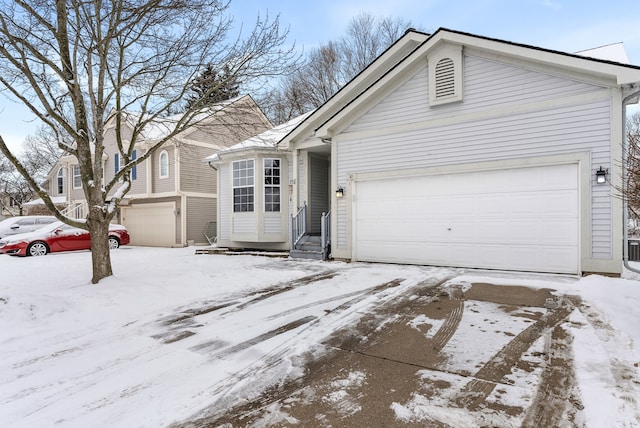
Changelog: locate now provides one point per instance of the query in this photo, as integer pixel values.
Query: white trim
(162, 176)
(252, 186)
(264, 185)
(73, 176)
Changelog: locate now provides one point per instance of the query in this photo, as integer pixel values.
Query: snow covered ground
(173, 332)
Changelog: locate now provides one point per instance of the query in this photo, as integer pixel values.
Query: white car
(24, 224)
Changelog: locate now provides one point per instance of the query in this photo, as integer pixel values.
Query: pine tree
(212, 86)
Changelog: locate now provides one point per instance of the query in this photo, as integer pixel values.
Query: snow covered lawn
(173, 332)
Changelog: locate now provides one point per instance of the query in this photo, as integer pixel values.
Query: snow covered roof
(161, 127)
(268, 139)
(55, 199)
(613, 52)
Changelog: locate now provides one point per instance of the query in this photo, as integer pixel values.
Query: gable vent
(445, 78)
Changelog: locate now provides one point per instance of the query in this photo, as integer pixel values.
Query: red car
(56, 237)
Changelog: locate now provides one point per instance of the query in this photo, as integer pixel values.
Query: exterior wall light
(601, 175)
(339, 192)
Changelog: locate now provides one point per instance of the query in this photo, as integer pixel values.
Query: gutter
(625, 214)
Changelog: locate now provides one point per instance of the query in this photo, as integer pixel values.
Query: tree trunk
(100, 255)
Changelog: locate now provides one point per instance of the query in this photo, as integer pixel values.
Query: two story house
(173, 197)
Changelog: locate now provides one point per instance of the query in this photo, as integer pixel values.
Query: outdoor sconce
(601, 175)
(339, 192)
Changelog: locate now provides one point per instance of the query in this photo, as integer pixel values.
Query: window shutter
(134, 174)
(116, 161)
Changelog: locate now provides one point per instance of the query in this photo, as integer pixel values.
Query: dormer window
(445, 75)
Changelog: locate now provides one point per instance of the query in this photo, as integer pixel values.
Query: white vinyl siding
(244, 225)
(272, 224)
(544, 131)
(487, 85)
(224, 203)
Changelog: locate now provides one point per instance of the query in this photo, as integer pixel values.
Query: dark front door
(319, 179)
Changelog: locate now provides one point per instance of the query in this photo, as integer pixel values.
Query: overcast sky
(565, 25)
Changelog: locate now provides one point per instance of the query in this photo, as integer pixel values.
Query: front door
(319, 202)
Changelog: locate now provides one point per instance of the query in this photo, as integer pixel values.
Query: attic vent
(445, 78)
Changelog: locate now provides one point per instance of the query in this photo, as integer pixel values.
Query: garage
(151, 225)
(513, 219)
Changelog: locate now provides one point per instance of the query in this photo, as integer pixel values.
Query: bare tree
(366, 38)
(631, 190)
(39, 154)
(332, 65)
(74, 63)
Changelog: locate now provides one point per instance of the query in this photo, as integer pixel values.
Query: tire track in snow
(474, 394)
(557, 398)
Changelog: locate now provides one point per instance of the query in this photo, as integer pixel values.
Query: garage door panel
(507, 219)
(151, 224)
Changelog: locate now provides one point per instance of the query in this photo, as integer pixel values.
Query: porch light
(601, 175)
(339, 192)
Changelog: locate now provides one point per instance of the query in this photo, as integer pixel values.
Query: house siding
(369, 145)
(302, 182)
(167, 184)
(273, 224)
(224, 203)
(487, 85)
(200, 211)
(195, 175)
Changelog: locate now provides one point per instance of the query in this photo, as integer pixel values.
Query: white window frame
(74, 169)
(60, 180)
(272, 181)
(243, 182)
(163, 154)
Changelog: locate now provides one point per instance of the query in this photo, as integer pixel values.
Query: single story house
(450, 149)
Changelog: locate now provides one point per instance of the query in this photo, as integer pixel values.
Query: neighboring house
(173, 195)
(255, 192)
(451, 149)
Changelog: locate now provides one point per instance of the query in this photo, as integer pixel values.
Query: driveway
(445, 354)
(178, 339)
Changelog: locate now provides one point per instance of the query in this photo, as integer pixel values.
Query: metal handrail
(298, 225)
(325, 233)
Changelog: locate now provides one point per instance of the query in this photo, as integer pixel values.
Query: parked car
(56, 237)
(23, 224)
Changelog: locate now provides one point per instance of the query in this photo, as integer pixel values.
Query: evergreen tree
(211, 87)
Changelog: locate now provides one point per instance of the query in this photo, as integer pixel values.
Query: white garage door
(151, 224)
(516, 219)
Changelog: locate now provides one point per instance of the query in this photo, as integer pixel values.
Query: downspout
(625, 214)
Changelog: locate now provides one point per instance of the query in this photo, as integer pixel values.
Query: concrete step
(302, 254)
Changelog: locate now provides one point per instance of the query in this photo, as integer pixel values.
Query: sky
(565, 25)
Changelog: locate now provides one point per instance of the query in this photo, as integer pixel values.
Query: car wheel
(113, 243)
(37, 249)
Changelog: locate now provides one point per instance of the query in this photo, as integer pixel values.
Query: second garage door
(514, 219)
(151, 225)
